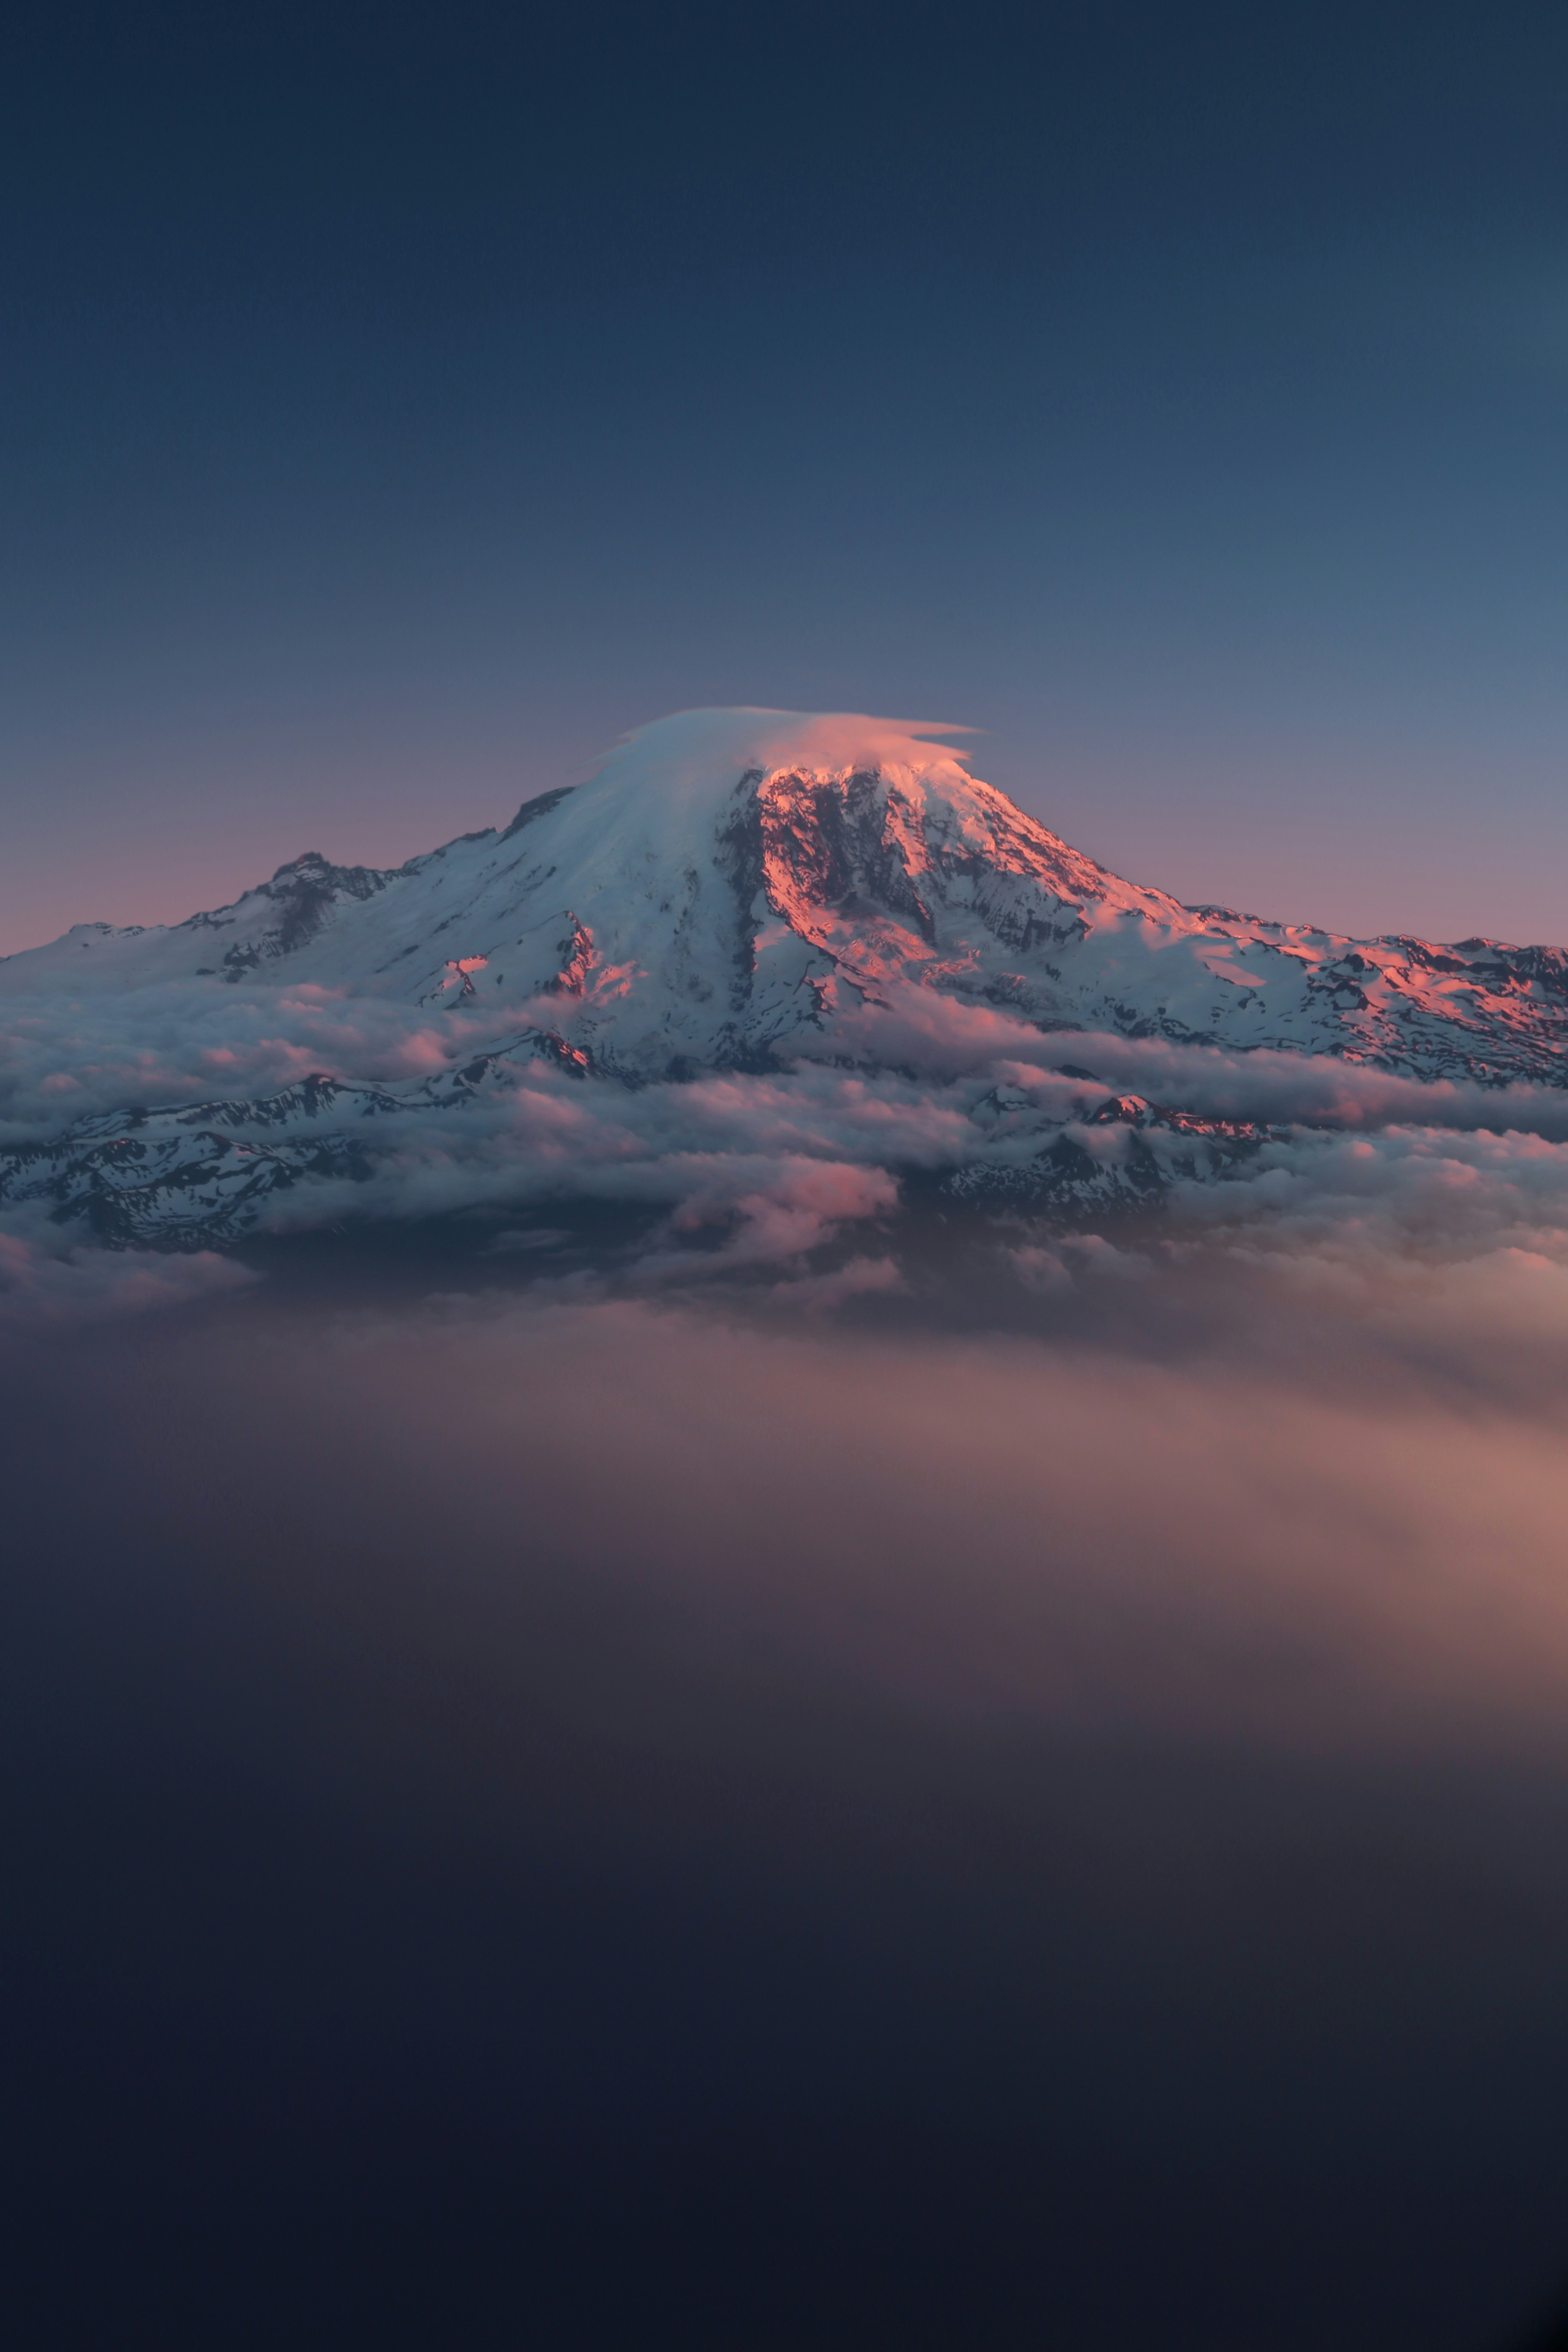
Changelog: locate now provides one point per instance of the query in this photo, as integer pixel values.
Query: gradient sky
(399, 402)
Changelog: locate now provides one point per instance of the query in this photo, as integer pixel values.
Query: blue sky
(401, 403)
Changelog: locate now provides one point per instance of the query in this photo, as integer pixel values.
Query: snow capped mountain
(732, 880)
(734, 891)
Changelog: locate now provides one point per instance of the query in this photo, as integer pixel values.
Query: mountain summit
(763, 967)
(732, 882)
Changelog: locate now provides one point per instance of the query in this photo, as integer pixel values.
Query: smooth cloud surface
(1093, 1728)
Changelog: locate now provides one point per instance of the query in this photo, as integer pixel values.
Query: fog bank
(872, 1819)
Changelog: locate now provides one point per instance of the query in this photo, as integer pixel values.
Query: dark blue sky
(400, 401)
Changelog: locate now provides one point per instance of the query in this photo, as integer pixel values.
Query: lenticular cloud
(775, 993)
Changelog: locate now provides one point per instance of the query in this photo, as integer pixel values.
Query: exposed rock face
(722, 896)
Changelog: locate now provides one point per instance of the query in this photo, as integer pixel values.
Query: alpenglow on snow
(749, 892)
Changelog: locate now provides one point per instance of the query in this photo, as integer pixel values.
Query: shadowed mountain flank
(742, 892)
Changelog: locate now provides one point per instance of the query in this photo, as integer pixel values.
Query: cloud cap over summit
(730, 881)
(869, 957)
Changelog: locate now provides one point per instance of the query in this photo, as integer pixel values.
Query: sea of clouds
(1368, 1178)
(1087, 1731)
(1104, 1688)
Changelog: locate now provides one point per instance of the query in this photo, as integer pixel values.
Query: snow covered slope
(737, 900)
(731, 881)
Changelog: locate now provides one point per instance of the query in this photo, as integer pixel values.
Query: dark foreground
(467, 1885)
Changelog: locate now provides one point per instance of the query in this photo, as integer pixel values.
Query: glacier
(752, 937)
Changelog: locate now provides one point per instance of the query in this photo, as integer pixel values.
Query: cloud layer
(1066, 1721)
(1350, 1174)
(1115, 1723)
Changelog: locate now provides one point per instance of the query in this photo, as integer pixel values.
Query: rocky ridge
(734, 891)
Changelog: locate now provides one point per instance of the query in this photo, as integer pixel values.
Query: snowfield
(754, 941)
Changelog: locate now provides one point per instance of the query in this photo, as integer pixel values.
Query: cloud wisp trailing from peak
(772, 978)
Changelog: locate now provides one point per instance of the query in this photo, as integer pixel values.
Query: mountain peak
(732, 887)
